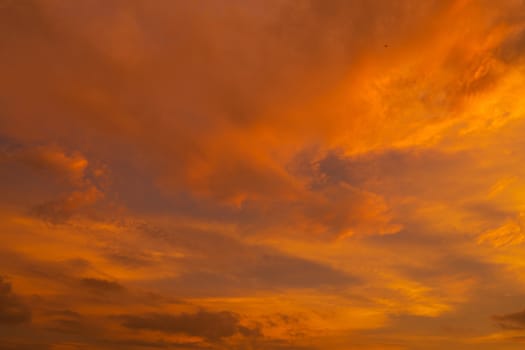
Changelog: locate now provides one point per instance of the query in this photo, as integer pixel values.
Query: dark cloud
(399, 166)
(206, 270)
(65, 321)
(513, 48)
(9, 345)
(280, 318)
(274, 344)
(66, 325)
(130, 260)
(292, 272)
(453, 265)
(211, 326)
(270, 272)
(97, 285)
(514, 320)
(324, 213)
(64, 313)
(61, 210)
(145, 344)
(55, 184)
(12, 310)
(63, 271)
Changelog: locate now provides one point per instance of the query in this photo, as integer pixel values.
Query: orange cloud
(261, 175)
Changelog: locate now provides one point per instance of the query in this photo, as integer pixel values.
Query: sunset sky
(262, 174)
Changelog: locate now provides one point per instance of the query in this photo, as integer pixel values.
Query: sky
(262, 174)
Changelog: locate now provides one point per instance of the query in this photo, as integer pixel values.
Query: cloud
(337, 160)
(211, 326)
(62, 270)
(243, 103)
(64, 183)
(282, 345)
(197, 148)
(25, 346)
(49, 160)
(141, 344)
(268, 271)
(406, 170)
(203, 268)
(327, 212)
(103, 286)
(66, 321)
(291, 272)
(64, 313)
(12, 310)
(510, 233)
(61, 210)
(514, 320)
(511, 49)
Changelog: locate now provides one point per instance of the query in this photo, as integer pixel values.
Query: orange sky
(262, 175)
